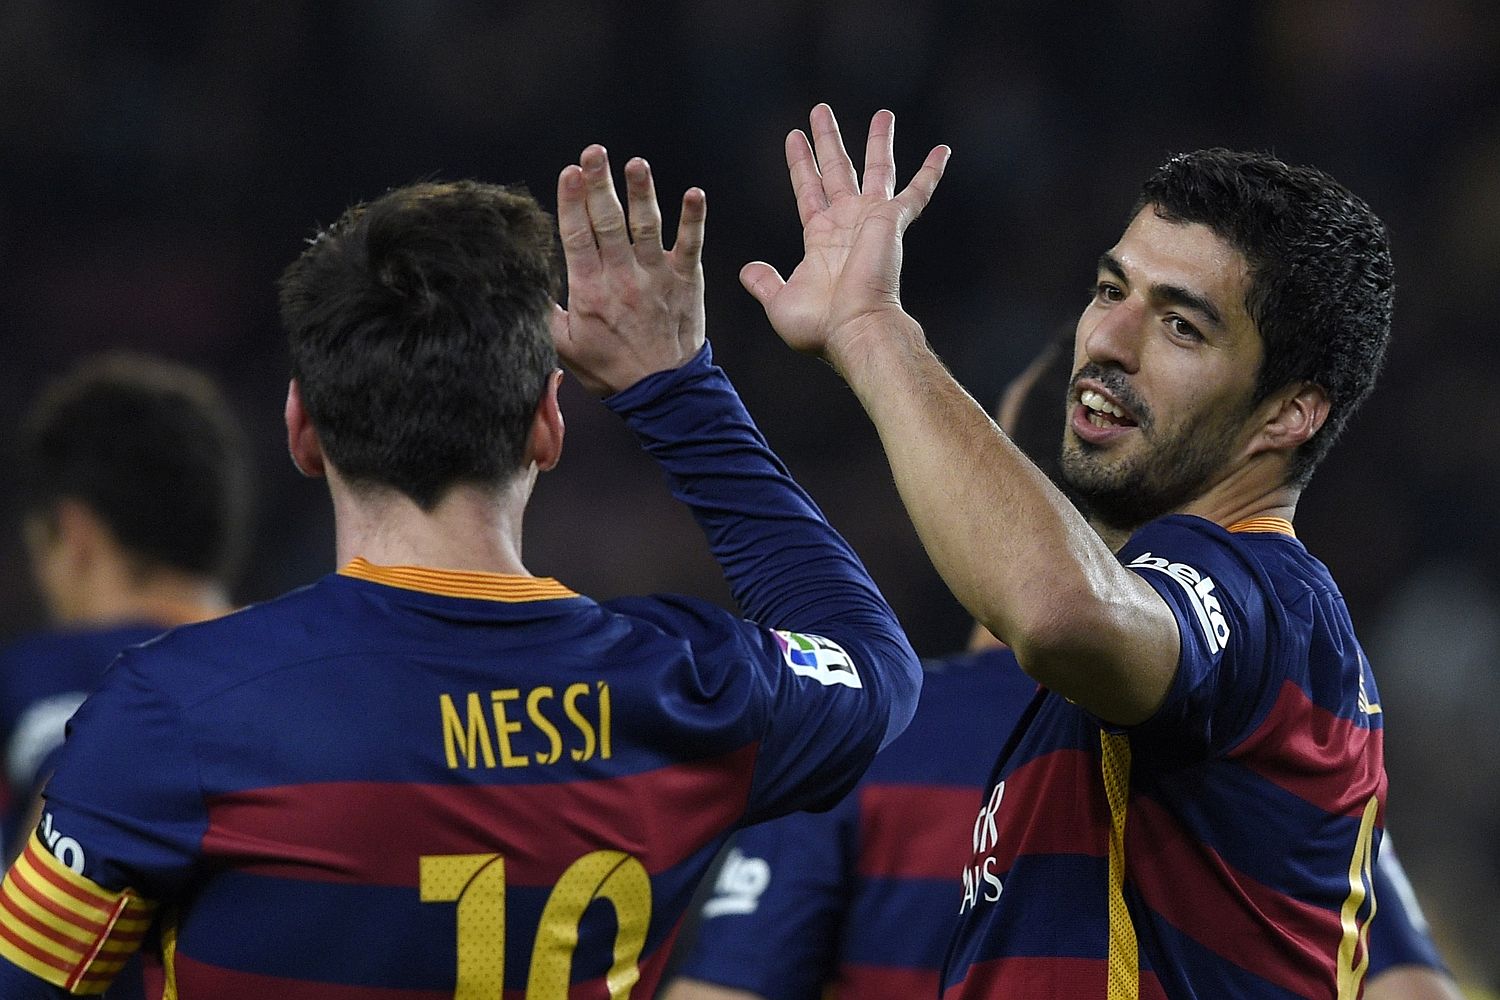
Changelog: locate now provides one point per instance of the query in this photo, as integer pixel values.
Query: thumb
(559, 324)
(762, 281)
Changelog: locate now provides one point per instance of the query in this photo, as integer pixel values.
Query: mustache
(1114, 380)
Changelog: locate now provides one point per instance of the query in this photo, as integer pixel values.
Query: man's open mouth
(1104, 412)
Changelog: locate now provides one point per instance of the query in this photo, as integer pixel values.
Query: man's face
(1165, 360)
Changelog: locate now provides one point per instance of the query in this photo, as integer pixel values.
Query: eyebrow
(1172, 294)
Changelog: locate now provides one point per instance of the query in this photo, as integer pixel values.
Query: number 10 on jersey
(476, 883)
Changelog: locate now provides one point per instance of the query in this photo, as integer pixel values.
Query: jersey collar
(1275, 525)
(459, 583)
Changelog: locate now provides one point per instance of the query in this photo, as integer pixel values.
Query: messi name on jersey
(526, 725)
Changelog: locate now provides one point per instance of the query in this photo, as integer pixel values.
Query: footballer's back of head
(419, 332)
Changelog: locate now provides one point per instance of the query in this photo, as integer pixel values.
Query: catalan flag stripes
(63, 928)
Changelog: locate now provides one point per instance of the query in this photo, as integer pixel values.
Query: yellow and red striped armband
(65, 929)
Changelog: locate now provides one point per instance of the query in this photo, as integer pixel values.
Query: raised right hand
(850, 275)
(633, 307)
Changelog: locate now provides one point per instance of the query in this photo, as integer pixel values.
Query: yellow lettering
(604, 751)
(504, 727)
(554, 738)
(475, 739)
(570, 705)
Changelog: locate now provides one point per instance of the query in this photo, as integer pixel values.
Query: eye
(1107, 291)
(1182, 329)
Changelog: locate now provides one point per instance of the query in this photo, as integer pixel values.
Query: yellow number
(1361, 887)
(477, 883)
(611, 875)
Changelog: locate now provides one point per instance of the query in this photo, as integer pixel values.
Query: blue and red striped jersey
(1222, 848)
(44, 677)
(410, 782)
(860, 899)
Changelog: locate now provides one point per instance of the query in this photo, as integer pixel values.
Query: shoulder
(196, 660)
(66, 646)
(42, 665)
(1212, 571)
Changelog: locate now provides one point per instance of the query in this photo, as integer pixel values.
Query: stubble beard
(1125, 493)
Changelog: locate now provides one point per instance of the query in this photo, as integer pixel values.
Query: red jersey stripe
(1251, 925)
(1324, 759)
(893, 848)
(304, 831)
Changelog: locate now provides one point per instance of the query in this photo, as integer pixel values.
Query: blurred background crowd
(161, 161)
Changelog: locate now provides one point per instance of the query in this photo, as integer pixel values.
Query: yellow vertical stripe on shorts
(1124, 975)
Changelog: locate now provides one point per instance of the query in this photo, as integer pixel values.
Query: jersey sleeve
(1398, 933)
(772, 923)
(121, 827)
(1227, 670)
(787, 568)
(814, 707)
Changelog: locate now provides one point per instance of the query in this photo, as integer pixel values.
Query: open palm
(851, 232)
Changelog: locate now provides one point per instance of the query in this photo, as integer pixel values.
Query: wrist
(647, 390)
(873, 343)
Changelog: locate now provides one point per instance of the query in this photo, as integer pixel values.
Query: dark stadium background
(160, 162)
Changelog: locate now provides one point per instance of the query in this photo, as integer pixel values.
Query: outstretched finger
(807, 183)
(579, 249)
(918, 192)
(606, 215)
(645, 214)
(839, 179)
(880, 155)
(687, 249)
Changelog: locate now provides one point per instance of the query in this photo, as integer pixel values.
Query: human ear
(544, 443)
(1293, 417)
(301, 436)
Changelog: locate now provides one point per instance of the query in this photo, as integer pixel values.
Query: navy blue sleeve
(18, 984)
(126, 789)
(787, 568)
(1227, 672)
(1398, 934)
(773, 922)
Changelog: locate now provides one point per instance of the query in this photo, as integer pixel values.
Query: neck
(1248, 492)
(472, 528)
(160, 597)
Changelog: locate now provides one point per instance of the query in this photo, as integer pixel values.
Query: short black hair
(1322, 283)
(420, 338)
(151, 448)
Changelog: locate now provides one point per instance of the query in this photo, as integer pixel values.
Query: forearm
(1009, 545)
(785, 564)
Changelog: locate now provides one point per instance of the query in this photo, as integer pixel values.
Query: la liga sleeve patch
(817, 658)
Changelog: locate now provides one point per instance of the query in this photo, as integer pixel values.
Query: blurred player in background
(860, 900)
(432, 773)
(1194, 805)
(134, 481)
(858, 903)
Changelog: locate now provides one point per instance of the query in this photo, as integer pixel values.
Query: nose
(1112, 336)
